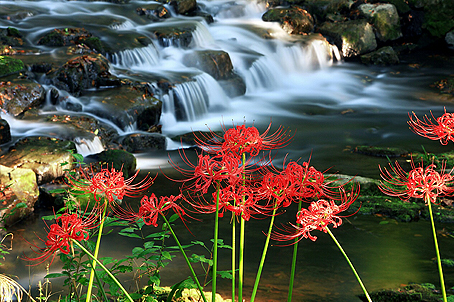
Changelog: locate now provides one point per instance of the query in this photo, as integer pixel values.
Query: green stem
(241, 252)
(185, 258)
(440, 271)
(93, 266)
(233, 255)
(349, 263)
(262, 261)
(215, 247)
(293, 269)
(104, 268)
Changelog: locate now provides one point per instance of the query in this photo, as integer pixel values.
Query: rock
(449, 38)
(294, 20)
(154, 11)
(233, 86)
(384, 18)
(174, 35)
(353, 38)
(383, 57)
(5, 133)
(43, 155)
(84, 72)
(11, 36)
(216, 63)
(18, 193)
(321, 8)
(118, 159)
(21, 95)
(413, 292)
(182, 7)
(140, 142)
(438, 16)
(128, 105)
(9, 65)
(15, 13)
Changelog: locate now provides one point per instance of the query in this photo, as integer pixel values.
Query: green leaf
(57, 191)
(174, 217)
(198, 243)
(225, 274)
(56, 275)
(131, 235)
(21, 205)
(166, 255)
(49, 217)
(78, 157)
(384, 222)
(148, 244)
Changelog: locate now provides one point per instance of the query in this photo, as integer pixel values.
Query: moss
(425, 292)
(94, 43)
(10, 65)
(118, 159)
(380, 151)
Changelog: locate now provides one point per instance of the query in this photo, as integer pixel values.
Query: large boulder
(43, 155)
(216, 63)
(21, 95)
(384, 18)
(11, 36)
(179, 35)
(293, 20)
(438, 15)
(84, 72)
(118, 159)
(353, 38)
(18, 194)
(382, 57)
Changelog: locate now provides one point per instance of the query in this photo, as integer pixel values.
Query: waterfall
(137, 57)
(192, 99)
(86, 147)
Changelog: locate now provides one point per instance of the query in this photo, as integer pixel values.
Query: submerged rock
(414, 292)
(118, 159)
(140, 142)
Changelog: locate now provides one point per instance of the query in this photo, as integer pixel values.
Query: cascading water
(297, 82)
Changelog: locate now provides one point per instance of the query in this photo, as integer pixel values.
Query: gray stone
(353, 38)
(384, 18)
(383, 57)
(449, 38)
(20, 95)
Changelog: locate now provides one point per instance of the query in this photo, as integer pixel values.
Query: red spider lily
(442, 128)
(111, 184)
(67, 227)
(241, 139)
(317, 216)
(420, 182)
(278, 187)
(151, 207)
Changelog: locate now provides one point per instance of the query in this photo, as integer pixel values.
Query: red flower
(151, 207)
(111, 184)
(241, 139)
(67, 227)
(441, 129)
(420, 182)
(319, 215)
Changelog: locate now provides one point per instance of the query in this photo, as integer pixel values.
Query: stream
(329, 105)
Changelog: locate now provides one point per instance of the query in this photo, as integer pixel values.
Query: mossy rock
(380, 151)
(9, 65)
(425, 292)
(118, 159)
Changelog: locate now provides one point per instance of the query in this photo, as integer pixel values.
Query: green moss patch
(9, 65)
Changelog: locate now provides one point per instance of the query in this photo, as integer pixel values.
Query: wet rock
(216, 63)
(320, 9)
(71, 36)
(154, 11)
(414, 292)
(449, 38)
(9, 65)
(383, 57)
(14, 13)
(11, 36)
(43, 155)
(118, 159)
(140, 142)
(5, 133)
(233, 86)
(21, 95)
(353, 38)
(380, 151)
(174, 35)
(438, 16)
(127, 106)
(384, 18)
(294, 20)
(18, 194)
(182, 7)
(84, 72)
